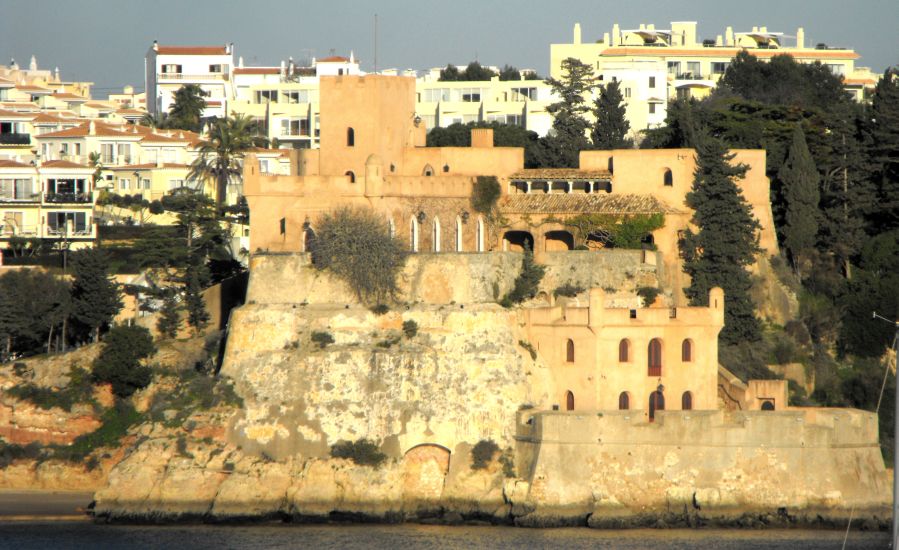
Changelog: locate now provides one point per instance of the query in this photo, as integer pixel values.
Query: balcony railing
(689, 76)
(185, 76)
(7, 230)
(87, 231)
(68, 198)
(33, 197)
(15, 139)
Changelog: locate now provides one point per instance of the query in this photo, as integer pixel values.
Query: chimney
(729, 36)
(763, 29)
(283, 69)
(577, 33)
(800, 38)
(605, 38)
(616, 34)
(482, 138)
(155, 45)
(240, 62)
(92, 128)
(719, 40)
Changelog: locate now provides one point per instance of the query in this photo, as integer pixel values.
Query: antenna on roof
(376, 43)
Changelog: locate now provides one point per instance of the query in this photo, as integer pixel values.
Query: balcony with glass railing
(68, 198)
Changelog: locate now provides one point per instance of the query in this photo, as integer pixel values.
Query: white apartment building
(168, 68)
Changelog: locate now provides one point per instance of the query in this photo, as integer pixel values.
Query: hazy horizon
(105, 43)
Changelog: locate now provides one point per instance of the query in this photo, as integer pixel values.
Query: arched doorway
(624, 351)
(656, 403)
(569, 351)
(518, 241)
(624, 401)
(569, 401)
(424, 471)
(559, 240)
(686, 351)
(686, 401)
(654, 358)
(668, 178)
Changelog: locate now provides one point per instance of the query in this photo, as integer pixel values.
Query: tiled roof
(191, 50)
(45, 118)
(100, 129)
(333, 59)
(583, 203)
(66, 96)
(4, 113)
(13, 164)
(34, 89)
(157, 138)
(560, 174)
(100, 106)
(151, 165)
(63, 164)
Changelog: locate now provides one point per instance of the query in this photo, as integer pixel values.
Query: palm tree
(222, 151)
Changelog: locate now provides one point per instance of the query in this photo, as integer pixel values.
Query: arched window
(350, 137)
(686, 401)
(436, 236)
(654, 357)
(428, 171)
(413, 234)
(480, 235)
(624, 401)
(569, 401)
(668, 178)
(686, 351)
(351, 175)
(569, 350)
(656, 403)
(458, 234)
(624, 351)
(768, 405)
(446, 167)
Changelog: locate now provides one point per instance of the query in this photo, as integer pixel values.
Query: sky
(105, 42)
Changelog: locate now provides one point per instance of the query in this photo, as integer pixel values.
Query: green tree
(504, 135)
(569, 134)
(475, 72)
(222, 151)
(800, 178)
(356, 245)
(197, 314)
(528, 281)
(96, 298)
(119, 361)
(34, 306)
(186, 112)
(884, 131)
(611, 126)
(169, 322)
(509, 72)
(725, 242)
(449, 74)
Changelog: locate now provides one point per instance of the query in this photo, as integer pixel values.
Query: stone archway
(424, 472)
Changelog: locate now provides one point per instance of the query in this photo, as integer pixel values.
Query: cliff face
(459, 379)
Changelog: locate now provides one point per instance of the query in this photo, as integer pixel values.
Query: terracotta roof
(6, 83)
(579, 203)
(561, 174)
(34, 89)
(256, 70)
(136, 112)
(860, 81)
(191, 50)
(157, 138)
(82, 130)
(213, 103)
(66, 96)
(727, 52)
(46, 118)
(100, 106)
(333, 59)
(4, 113)
(13, 164)
(63, 164)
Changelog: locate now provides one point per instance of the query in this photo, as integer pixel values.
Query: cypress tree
(725, 242)
(885, 148)
(800, 179)
(611, 126)
(197, 316)
(95, 296)
(169, 317)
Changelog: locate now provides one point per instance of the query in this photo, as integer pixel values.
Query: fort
(604, 408)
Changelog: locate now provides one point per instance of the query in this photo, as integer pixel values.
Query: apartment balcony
(68, 198)
(15, 139)
(31, 198)
(71, 232)
(7, 231)
(175, 77)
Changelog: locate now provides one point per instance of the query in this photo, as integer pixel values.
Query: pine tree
(800, 179)
(569, 125)
(885, 148)
(197, 316)
(95, 296)
(170, 316)
(611, 126)
(725, 243)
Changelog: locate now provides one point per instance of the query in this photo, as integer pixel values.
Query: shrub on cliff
(527, 282)
(356, 245)
(363, 452)
(482, 454)
(78, 390)
(410, 328)
(649, 294)
(119, 360)
(485, 194)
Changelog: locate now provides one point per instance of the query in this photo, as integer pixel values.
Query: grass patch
(78, 390)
